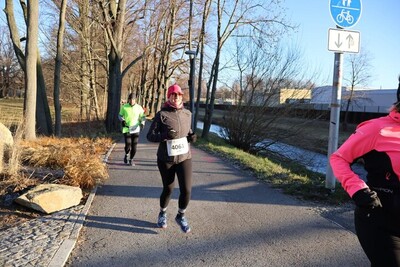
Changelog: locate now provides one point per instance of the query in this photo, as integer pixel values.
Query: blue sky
(379, 27)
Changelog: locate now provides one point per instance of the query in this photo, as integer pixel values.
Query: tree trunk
(43, 117)
(164, 65)
(346, 113)
(210, 107)
(93, 89)
(114, 93)
(200, 48)
(30, 72)
(12, 26)
(84, 74)
(114, 16)
(57, 68)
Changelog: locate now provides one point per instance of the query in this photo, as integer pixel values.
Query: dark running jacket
(169, 118)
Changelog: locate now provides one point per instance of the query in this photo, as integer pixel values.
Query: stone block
(49, 198)
(6, 137)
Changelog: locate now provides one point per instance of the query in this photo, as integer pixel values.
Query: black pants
(183, 171)
(131, 141)
(379, 234)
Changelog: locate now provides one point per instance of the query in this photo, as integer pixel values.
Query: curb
(62, 254)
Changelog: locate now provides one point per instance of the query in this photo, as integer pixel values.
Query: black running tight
(131, 141)
(183, 172)
(379, 235)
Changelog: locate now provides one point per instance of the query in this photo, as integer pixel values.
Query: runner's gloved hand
(123, 123)
(365, 198)
(192, 138)
(141, 126)
(172, 134)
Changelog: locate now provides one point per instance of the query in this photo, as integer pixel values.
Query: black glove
(192, 138)
(172, 134)
(123, 123)
(141, 127)
(365, 198)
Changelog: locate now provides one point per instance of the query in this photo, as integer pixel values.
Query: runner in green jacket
(132, 118)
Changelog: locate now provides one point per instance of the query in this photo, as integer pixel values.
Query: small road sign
(345, 13)
(343, 41)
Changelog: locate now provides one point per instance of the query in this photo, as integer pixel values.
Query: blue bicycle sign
(345, 16)
(345, 13)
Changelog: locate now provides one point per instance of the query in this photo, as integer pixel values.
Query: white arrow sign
(343, 41)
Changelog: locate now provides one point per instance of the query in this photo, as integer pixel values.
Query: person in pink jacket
(377, 198)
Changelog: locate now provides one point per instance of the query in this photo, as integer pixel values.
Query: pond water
(311, 160)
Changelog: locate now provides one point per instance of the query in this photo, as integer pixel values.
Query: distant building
(290, 96)
(363, 100)
(281, 97)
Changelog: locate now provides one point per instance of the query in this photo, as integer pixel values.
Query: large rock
(49, 198)
(6, 137)
(6, 143)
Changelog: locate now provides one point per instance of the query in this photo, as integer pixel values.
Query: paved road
(236, 220)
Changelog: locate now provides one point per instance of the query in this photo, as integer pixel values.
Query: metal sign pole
(345, 14)
(330, 181)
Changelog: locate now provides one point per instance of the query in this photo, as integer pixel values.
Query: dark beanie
(398, 91)
(131, 96)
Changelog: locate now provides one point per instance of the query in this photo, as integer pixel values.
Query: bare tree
(167, 34)
(114, 20)
(114, 12)
(259, 16)
(264, 70)
(200, 50)
(84, 57)
(85, 42)
(30, 72)
(43, 117)
(11, 75)
(57, 68)
(359, 75)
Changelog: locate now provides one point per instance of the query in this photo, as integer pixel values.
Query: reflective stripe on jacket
(133, 116)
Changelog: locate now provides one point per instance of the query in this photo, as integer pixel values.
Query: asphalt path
(236, 220)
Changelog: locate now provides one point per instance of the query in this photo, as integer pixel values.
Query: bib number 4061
(177, 147)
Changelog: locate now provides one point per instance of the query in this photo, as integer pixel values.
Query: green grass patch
(291, 177)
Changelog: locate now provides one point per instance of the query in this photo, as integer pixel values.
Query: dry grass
(11, 178)
(70, 161)
(75, 159)
(79, 158)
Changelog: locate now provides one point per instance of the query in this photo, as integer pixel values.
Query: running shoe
(182, 222)
(126, 159)
(162, 220)
(131, 163)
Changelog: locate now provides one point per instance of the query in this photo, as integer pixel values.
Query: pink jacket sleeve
(358, 144)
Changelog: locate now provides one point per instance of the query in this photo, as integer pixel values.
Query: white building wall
(365, 100)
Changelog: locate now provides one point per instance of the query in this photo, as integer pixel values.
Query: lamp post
(192, 55)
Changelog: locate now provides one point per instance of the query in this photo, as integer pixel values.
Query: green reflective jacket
(133, 116)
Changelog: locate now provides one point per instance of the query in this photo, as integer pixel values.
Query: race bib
(177, 147)
(134, 129)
